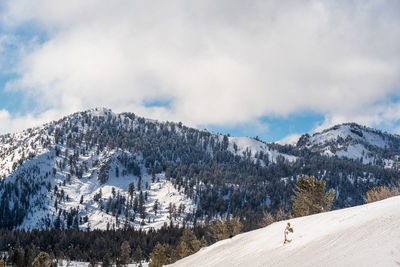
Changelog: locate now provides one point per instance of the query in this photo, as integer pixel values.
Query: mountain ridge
(99, 170)
(353, 141)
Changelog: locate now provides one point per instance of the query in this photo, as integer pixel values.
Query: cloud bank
(212, 62)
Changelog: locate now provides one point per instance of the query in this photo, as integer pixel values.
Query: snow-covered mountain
(356, 142)
(98, 170)
(83, 185)
(365, 235)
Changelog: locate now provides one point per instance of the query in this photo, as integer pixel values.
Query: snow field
(366, 235)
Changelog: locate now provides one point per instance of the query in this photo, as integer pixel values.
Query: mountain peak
(99, 111)
(94, 164)
(352, 141)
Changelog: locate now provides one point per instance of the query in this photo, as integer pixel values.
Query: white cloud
(384, 114)
(218, 62)
(290, 139)
(11, 123)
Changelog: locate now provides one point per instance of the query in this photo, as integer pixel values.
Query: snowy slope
(53, 172)
(35, 155)
(61, 162)
(355, 142)
(88, 186)
(352, 131)
(244, 146)
(366, 235)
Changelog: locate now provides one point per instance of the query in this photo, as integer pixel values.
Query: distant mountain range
(97, 169)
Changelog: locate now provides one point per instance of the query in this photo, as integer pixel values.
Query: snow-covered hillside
(355, 142)
(64, 179)
(249, 147)
(97, 169)
(78, 171)
(366, 235)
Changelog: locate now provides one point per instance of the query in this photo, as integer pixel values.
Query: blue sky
(272, 128)
(271, 69)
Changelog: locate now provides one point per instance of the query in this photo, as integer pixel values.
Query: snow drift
(367, 235)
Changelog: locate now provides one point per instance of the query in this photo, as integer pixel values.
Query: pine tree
(182, 250)
(76, 222)
(380, 193)
(142, 208)
(267, 219)
(234, 227)
(203, 242)
(125, 253)
(155, 207)
(153, 175)
(92, 263)
(17, 258)
(42, 260)
(106, 260)
(310, 197)
(29, 253)
(161, 255)
(187, 245)
(131, 189)
(219, 230)
(137, 255)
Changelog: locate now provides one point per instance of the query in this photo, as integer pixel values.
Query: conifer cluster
(311, 197)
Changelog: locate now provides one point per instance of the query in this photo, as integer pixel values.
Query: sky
(273, 69)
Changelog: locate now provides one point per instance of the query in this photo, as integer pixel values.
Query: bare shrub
(380, 193)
